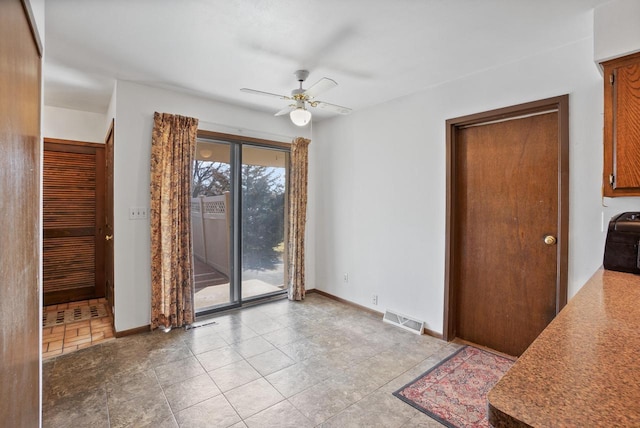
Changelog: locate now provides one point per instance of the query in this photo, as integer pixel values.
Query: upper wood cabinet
(621, 172)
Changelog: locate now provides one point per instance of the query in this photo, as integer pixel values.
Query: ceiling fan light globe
(300, 116)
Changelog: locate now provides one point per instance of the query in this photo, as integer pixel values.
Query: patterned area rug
(67, 316)
(455, 391)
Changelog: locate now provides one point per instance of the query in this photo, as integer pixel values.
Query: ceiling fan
(298, 112)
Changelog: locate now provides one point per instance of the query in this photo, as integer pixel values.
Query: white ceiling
(377, 50)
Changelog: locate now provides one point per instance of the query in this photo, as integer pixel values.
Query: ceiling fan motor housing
(301, 75)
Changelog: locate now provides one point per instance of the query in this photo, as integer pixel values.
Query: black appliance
(622, 244)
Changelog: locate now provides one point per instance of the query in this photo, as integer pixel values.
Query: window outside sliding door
(238, 218)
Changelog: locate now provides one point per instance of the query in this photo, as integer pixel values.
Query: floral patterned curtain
(297, 217)
(172, 150)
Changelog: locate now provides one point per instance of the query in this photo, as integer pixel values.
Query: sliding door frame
(236, 143)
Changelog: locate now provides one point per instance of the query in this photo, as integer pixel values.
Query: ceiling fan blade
(268, 94)
(285, 110)
(320, 86)
(332, 107)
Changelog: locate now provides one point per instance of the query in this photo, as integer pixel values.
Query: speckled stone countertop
(584, 368)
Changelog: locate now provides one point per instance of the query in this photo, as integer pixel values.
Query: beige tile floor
(280, 364)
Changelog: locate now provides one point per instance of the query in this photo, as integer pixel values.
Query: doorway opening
(238, 218)
(77, 252)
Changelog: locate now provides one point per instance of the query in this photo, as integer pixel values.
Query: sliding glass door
(238, 218)
(212, 225)
(264, 180)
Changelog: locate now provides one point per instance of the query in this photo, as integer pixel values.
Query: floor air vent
(199, 324)
(402, 321)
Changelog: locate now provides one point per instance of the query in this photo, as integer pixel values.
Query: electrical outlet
(345, 278)
(137, 213)
(374, 300)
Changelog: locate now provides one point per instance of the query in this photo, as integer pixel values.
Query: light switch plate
(137, 213)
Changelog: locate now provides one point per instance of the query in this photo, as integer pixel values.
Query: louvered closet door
(73, 217)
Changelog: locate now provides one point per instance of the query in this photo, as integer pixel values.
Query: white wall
(616, 29)
(75, 125)
(135, 105)
(378, 182)
(37, 7)
(111, 110)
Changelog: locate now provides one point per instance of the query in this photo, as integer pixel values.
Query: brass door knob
(108, 237)
(550, 240)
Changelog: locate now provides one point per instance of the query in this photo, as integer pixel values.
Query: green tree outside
(262, 207)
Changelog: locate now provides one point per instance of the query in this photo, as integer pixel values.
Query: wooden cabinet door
(73, 221)
(621, 172)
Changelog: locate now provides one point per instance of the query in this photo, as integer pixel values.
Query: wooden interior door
(73, 221)
(508, 239)
(108, 219)
(20, 150)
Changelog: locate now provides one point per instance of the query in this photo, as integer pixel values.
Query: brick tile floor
(69, 337)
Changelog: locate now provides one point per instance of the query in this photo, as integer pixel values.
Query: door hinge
(611, 79)
(612, 179)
